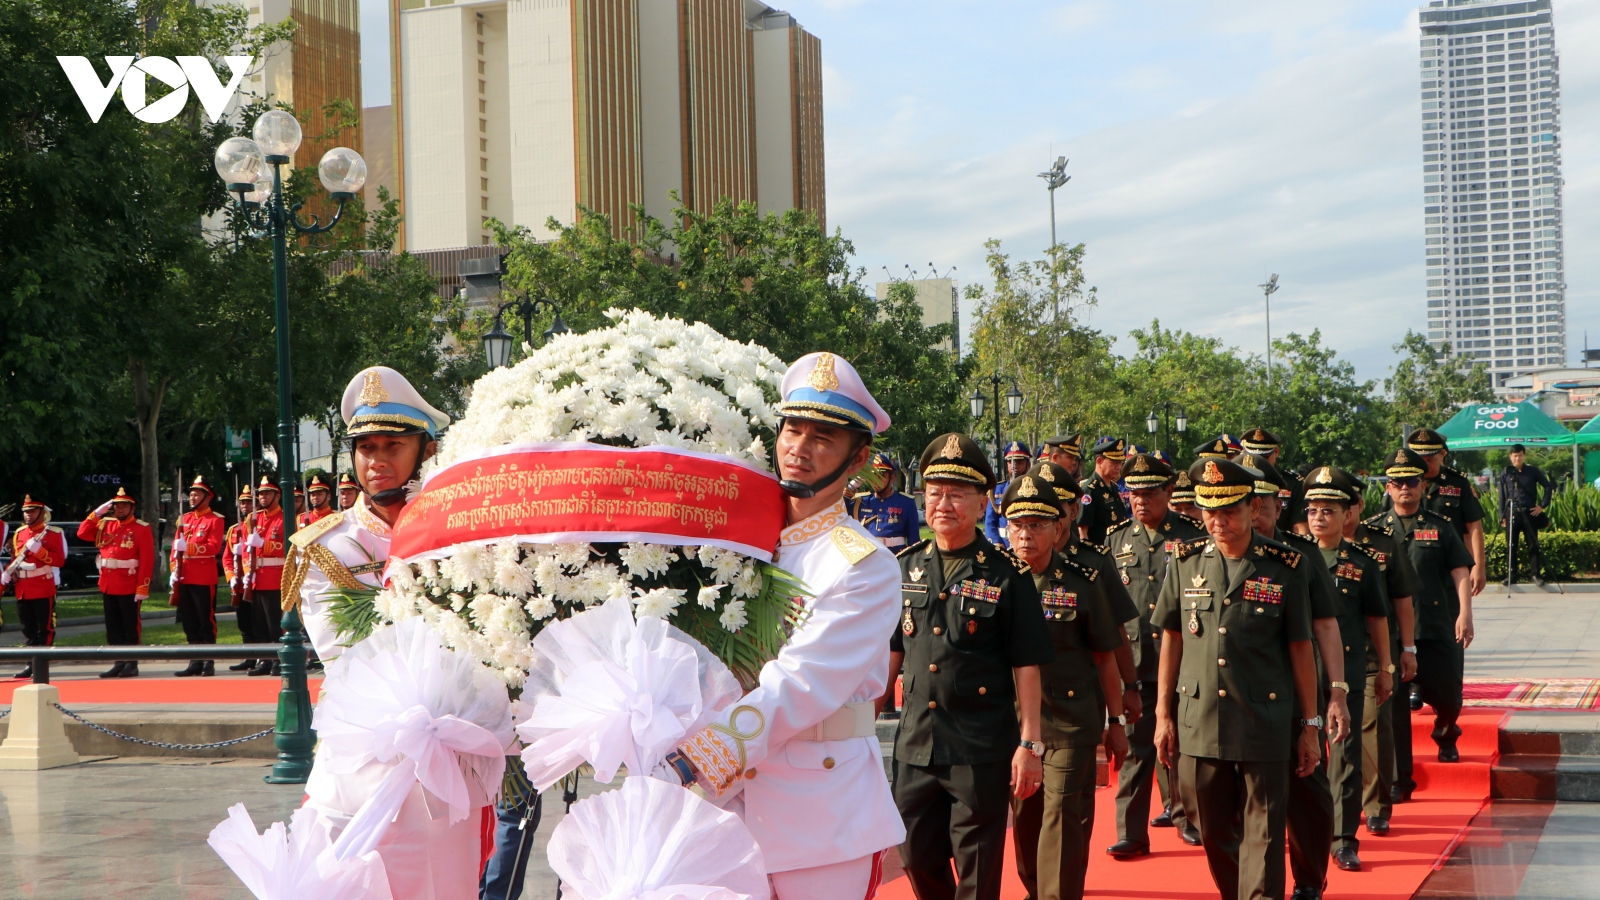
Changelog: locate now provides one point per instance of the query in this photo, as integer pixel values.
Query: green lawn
(227, 633)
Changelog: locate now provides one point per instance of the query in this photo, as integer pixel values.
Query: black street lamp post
(1013, 406)
(242, 164)
(497, 343)
(1161, 419)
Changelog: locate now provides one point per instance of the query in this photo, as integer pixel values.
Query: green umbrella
(1501, 424)
(1590, 432)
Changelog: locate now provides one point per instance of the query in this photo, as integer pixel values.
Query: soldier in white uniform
(392, 430)
(798, 757)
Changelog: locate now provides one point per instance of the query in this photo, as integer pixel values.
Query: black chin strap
(397, 495)
(805, 491)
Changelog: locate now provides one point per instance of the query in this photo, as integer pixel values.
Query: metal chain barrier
(128, 737)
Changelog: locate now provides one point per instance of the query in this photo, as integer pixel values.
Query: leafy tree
(778, 280)
(1316, 405)
(1198, 375)
(1428, 385)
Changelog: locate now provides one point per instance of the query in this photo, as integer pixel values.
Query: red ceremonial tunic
(312, 515)
(235, 554)
(38, 583)
(127, 554)
(267, 566)
(203, 531)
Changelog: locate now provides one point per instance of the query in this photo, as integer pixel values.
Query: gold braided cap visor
(955, 472)
(1327, 493)
(385, 423)
(1152, 480)
(1024, 508)
(825, 413)
(1425, 449)
(1221, 496)
(1404, 471)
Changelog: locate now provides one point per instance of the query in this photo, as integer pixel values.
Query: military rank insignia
(1262, 590)
(1349, 571)
(978, 590)
(1426, 534)
(1058, 602)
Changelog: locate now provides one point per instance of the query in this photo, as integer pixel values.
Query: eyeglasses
(954, 498)
(1321, 512)
(1031, 525)
(1411, 482)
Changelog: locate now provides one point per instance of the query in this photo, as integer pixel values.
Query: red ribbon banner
(589, 493)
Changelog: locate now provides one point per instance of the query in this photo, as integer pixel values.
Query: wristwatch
(1341, 685)
(1315, 722)
(1116, 720)
(1390, 668)
(1132, 685)
(1034, 747)
(1410, 650)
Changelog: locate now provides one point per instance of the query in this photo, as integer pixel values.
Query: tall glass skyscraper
(1491, 132)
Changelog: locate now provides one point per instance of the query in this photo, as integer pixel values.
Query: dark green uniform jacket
(1142, 566)
(1358, 593)
(1435, 549)
(1399, 579)
(962, 636)
(1103, 509)
(1236, 684)
(1081, 623)
(1097, 557)
(1453, 496)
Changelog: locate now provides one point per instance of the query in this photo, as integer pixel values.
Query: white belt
(106, 563)
(267, 562)
(37, 572)
(854, 720)
(894, 542)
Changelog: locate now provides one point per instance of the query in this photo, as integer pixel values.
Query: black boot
(263, 667)
(130, 669)
(210, 668)
(242, 666)
(195, 668)
(26, 673)
(115, 671)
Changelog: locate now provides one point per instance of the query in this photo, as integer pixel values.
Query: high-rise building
(940, 299)
(1491, 131)
(525, 109)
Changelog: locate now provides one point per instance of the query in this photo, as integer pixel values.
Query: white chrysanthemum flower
(708, 595)
(659, 603)
(733, 616)
(571, 556)
(747, 583)
(540, 607)
(457, 602)
(510, 575)
(645, 560)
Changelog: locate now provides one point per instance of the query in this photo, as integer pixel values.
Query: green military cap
(1405, 463)
(1030, 496)
(1330, 483)
(1182, 487)
(956, 457)
(1112, 448)
(1066, 487)
(1070, 444)
(1272, 482)
(1216, 448)
(1260, 441)
(1221, 483)
(1144, 470)
(1426, 442)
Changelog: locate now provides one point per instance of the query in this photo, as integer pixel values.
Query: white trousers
(856, 878)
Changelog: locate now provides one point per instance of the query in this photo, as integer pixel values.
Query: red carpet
(1541, 693)
(164, 690)
(1421, 835)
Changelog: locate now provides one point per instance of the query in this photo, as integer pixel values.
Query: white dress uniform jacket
(811, 802)
(359, 541)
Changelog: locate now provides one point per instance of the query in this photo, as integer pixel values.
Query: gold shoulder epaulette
(1376, 523)
(54, 529)
(142, 522)
(1015, 559)
(1190, 547)
(1298, 537)
(1368, 549)
(1118, 527)
(1089, 573)
(1101, 549)
(320, 527)
(854, 547)
(1286, 555)
(914, 547)
(1192, 521)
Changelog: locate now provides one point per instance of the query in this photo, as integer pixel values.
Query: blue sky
(1210, 142)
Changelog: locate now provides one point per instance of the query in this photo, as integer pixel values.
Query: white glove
(179, 545)
(102, 509)
(140, 598)
(256, 541)
(34, 544)
(5, 576)
(233, 549)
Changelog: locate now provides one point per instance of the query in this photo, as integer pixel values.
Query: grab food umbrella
(1502, 424)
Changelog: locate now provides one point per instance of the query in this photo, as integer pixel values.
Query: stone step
(1548, 755)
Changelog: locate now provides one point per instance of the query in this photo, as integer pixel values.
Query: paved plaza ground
(135, 827)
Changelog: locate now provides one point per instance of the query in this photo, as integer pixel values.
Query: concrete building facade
(521, 110)
(940, 299)
(1491, 131)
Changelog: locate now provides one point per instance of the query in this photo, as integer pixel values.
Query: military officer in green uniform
(1102, 487)
(1363, 615)
(1310, 815)
(1443, 602)
(1380, 744)
(1216, 448)
(970, 643)
(1263, 444)
(1096, 516)
(1053, 827)
(1236, 674)
(1448, 492)
(1141, 548)
(1183, 496)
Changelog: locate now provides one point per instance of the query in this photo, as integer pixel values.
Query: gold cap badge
(951, 448)
(1324, 475)
(1025, 488)
(372, 389)
(822, 377)
(1213, 475)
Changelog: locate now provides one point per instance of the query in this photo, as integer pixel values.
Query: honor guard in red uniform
(318, 494)
(38, 551)
(348, 491)
(235, 556)
(265, 584)
(299, 502)
(196, 548)
(127, 562)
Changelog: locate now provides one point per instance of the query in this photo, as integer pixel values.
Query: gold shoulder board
(854, 547)
(917, 546)
(320, 527)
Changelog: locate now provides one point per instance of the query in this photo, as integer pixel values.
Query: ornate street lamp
(253, 171)
(497, 343)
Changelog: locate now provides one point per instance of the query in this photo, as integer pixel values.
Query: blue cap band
(803, 397)
(390, 413)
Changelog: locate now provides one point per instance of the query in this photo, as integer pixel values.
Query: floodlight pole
(1268, 289)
